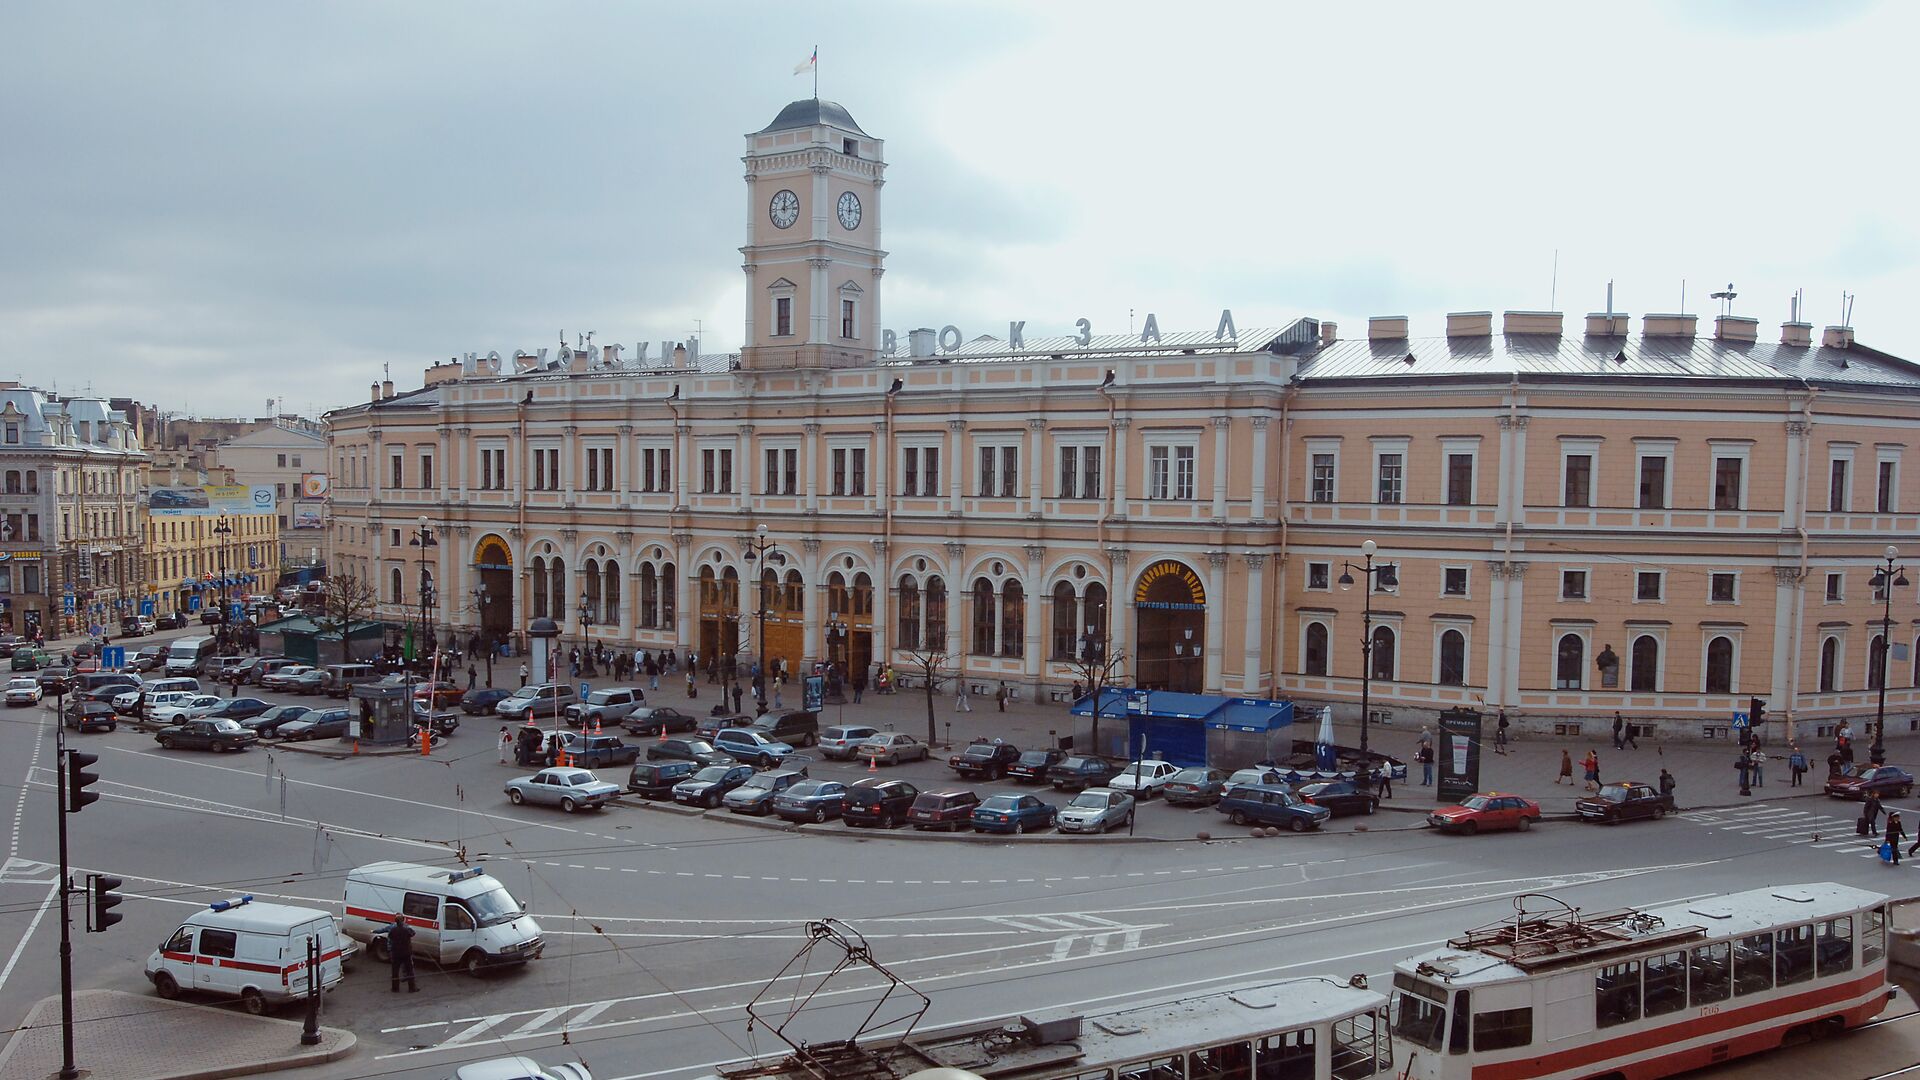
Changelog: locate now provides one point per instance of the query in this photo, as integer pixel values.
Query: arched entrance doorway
(720, 622)
(1170, 622)
(493, 561)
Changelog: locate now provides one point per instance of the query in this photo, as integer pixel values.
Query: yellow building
(190, 555)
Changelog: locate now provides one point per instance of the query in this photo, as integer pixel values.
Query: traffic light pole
(67, 1069)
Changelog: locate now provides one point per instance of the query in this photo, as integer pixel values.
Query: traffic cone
(356, 746)
(426, 742)
(873, 764)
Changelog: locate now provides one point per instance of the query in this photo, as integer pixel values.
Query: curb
(341, 755)
(773, 824)
(33, 1051)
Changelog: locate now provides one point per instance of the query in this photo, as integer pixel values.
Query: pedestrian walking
(1796, 765)
(776, 697)
(693, 685)
(1500, 734)
(473, 676)
(1666, 789)
(1843, 743)
(859, 686)
(1383, 781)
(1590, 766)
(1423, 753)
(1895, 834)
(506, 743)
(737, 695)
(1566, 768)
(1619, 732)
(400, 954)
(523, 674)
(960, 700)
(1000, 696)
(1870, 814)
(1757, 758)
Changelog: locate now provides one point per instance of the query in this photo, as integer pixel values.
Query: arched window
(13, 481)
(909, 612)
(610, 593)
(649, 596)
(557, 590)
(1093, 617)
(1720, 666)
(590, 586)
(836, 596)
(1570, 663)
(669, 595)
(794, 603)
(1383, 659)
(1645, 654)
(1316, 658)
(1453, 658)
(730, 589)
(1876, 661)
(1066, 629)
(1829, 665)
(770, 589)
(1013, 619)
(936, 614)
(33, 481)
(396, 585)
(862, 596)
(983, 617)
(537, 582)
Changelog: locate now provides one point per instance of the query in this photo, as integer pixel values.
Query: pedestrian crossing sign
(1740, 720)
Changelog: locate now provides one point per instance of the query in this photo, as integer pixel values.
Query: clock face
(849, 210)
(784, 209)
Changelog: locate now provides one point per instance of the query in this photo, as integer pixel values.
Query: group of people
(1894, 834)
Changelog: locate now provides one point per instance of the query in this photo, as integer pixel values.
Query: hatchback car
(192, 707)
(1095, 810)
(596, 751)
(984, 759)
(1485, 812)
(811, 800)
(839, 741)
(892, 748)
(481, 700)
(710, 785)
(1032, 765)
(656, 779)
(84, 716)
(26, 691)
(1256, 776)
(1339, 796)
(318, 724)
(756, 795)
(1270, 804)
(1886, 781)
(874, 801)
(1616, 803)
(308, 683)
(1013, 813)
(951, 810)
(1194, 787)
(569, 789)
(649, 720)
(1076, 773)
(699, 751)
(1144, 779)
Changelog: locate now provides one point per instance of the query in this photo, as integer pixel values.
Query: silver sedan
(568, 789)
(1095, 810)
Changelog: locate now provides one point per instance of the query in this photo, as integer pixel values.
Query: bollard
(426, 741)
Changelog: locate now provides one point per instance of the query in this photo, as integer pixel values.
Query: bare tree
(345, 602)
(1097, 671)
(931, 667)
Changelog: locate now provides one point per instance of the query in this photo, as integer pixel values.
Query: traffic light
(100, 910)
(1756, 711)
(78, 780)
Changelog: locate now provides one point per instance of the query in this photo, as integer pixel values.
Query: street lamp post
(836, 644)
(480, 599)
(423, 539)
(586, 647)
(221, 530)
(1887, 578)
(1388, 577)
(760, 550)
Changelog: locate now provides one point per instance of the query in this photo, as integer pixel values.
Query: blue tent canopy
(1176, 725)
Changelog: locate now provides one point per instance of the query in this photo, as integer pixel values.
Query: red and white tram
(1630, 995)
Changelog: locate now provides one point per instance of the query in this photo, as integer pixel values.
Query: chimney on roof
(1837, 337)
(680, 355)
(920, 343)
(386, 389)
(1469, 324)
(1531, 322)
(1668, 325)
(1607, 324)
(1736, 328)
(1329, 333)
(375, 394)
(1386, 327)
(1797, 334)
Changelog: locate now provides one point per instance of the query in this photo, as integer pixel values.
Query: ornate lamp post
(1887, 578)
(221, 530)
(761, 551)
(1387, 576)
(423, 539)
(586, 647)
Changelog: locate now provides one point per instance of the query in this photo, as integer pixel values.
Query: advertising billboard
(313, 485)
(209, 500)
(309, 515)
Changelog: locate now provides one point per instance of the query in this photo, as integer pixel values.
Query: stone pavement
(144, 1037)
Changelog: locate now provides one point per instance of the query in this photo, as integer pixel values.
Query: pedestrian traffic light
(1756, 712)
(100, 911)
(79, 779)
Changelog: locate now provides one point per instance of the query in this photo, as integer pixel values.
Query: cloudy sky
(207, 205)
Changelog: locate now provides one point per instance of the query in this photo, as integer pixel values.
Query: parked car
(569, 789)
(267, 724)
(1614, 803)
(837, 743)
(1194, 787)
(1886, 781)
(596, 751)
(752, 746)
(438, 695)
(710, 785)
(605, 707)
(54, 678)
(874, 801)
(218, 736)
(106, 692)
(811, 800)
(318, 724)
(984, 759)
(698, 751)
(756, 795)
(656, 779)
(444, 722)
(1032, 766)
(648, 720)
(26, 691)
(1096, 810)
(892, 748)
(481, 700)
(193, 707)
(308, 683)
(1257, 777)
(148, 658)
(796, 727)
(712, 725)
(1079, 773)
(1144, 779)
(240, 708)
(84, 716)
(1270, 804)
(1486, 812)
(1339, 796)
(1014, 813)
(253, 670)
(951, 809)
(546, 700)
(282, 677)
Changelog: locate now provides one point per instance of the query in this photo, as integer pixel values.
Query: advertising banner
(209, 500)
(1457, 754)
(313, 485)
(309, 515)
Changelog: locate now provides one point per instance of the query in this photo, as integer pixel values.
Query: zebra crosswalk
(1825, 826)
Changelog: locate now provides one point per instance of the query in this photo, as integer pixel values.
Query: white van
(188, 654)
(461, 917)
(256, 952)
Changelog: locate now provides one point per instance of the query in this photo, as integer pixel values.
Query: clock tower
(812, 259)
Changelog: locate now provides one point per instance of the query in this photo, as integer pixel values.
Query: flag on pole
(809, 63)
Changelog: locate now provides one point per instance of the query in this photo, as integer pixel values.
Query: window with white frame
(781, 294)
(1649, 586)
(1319, 577)
(848, 475)
(780, 472)
(1323, 469)
(1450, 644)
(1453, 580)
(426, 468)
(1839, 477)
(1573, 584)
(1886, 481)
(1390, 470)
(396, 462)
(1653, 466)
(1316, 642)
(999, 472)
(1579, 461)
(493, 468)
(1729, 473)
(849, 320)
(546, 468)
(656, 468)
(1460, 459)
(1836, 587)
(1170, 466)
(716, 470)
(1723, 587)
(1080, 471)
(920, 471)
(599, 468)
(1720, 671)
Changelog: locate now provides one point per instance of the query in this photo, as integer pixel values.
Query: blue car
(750, 746)
(811, 800)
(1013, 814)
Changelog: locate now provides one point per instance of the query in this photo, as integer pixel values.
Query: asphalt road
(662, 926)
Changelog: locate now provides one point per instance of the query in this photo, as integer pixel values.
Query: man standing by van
(400, 954)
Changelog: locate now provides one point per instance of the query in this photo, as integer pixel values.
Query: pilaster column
(1222, 426)
(463, 460)
(1036, 613)
(1123, 636)
(956, 603)
(882, 464)
(1121, 446)
(1252, 664)
(814, 647)
(1788, 596)
(442, 460)
(813, 468)
(956, 465)
(376, 463)
(682, 466)
(1257, 510)
(517, 461)
(1036, 429)
(880, 607)
(569, 469)
(629, 457)
(686, 598)
(1216, 619)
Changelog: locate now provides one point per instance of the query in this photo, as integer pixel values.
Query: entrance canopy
(1186, 729)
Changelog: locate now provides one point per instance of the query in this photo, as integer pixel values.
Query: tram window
(1835, 952)
(1503, 1029)
(1286, 1056)
(1873, 935)
(1616, 994)
(1666, 983)
(1418, 1020)
(1753, 964)
(1166, 1068)
(1793, 954)
(1227, 1062)
(1361, 1047)
(1710, 972)
(1462, 1010)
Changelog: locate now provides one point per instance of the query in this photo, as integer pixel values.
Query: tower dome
(808, 112)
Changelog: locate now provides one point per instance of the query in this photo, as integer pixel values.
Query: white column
(442, 461)
(1788, 594)
(1122, 627)
(1216, 619)
(813, 468)
(742, 464)
(1120, 445)
(816, 596)
(882, 462)
(1037, 612)
(463, 459)
(880, 607)
(956, 605)
(682, 449)
(1221, 426)
(1497, 653)
(569, 450)
(1516, 642)
(1257, 510)
(1256, 599)
(686, 592)
(629, 455)
(819, 302)
(376, 464)
(1036, 428)
(517, 461)
(956, 465)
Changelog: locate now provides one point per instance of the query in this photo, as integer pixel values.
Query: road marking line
(52, 895)
(471, 1033)
(537, 1022)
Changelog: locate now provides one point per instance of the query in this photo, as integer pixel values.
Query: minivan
(255, 952)
(188, 655)
(795, 727)
(546, 699)
(342, 677)
(463, 917)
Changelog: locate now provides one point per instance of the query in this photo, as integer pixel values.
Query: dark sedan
(697, 750)
(1013, 813)
(1886, 781)
(1079, 773)
(710, 785)
(1032, 765)
(268, 723)
(240, 708)
(321, 724)
(480, 702)
(811, 800)
(1622, 802)
(647, 720)
(84, 716)
(1339, 796)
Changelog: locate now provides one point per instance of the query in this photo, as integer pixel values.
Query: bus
(1294, 1029)
(1634, 994)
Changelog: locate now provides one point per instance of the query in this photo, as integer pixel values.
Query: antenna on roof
(1725, 296)
(1793, 305)
(1553, 290)
(1683, 296)
(1846, 309)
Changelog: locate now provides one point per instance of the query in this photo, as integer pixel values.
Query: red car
(440, 695)
(1485, 812)
(1886, 781)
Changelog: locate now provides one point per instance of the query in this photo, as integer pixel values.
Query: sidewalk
(144, 1037)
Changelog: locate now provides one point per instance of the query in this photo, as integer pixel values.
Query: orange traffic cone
(356, 746)
(873, 764)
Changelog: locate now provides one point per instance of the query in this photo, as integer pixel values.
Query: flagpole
(816, 73)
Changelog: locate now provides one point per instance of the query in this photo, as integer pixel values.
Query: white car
(23, 691)
(189, 707)
(1144, 778)
(521, 1068)
(126, 703)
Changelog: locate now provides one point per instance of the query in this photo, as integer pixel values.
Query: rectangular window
(1573, 584)
(1726, 482)
(1753, 964)
(280, 460)
(1579, 485)
(1322, 478)
(218, 943)
(294, 461)
(726, 472)
(1069, 471)
(1647, 585)
(1884, 489)
(1873, 924)
(988, 456)
(783, 316)
(1183, 472)
(646, 469)
(1391, 468)
(33, 526)
(1616, 994)
(1319, 576)
(1720, 588)
(426, 470)
(1453, 581)
(399, 471)
(1709, 973)
(593, 470)
(1504, 1030)
(1837, 486)
(930, 471)
(770, 484)
(1665, 983)
(1793, 954)
(910, 472)
(1159, 471)
(857, 481)
(1009, 471)
(1459, 479)
(1836, 588)
(1833, 952)
(709, 476)
(846, 319)
(839, 473)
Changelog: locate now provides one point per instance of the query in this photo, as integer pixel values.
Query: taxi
(1486, 812)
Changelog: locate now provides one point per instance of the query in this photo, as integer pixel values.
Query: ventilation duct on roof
(1531, 322)
(1469, 324)
(1607, 324)
(1837, 337)
(1386, 327)
(1669, 325)
(1736, 328)
(1797, 334)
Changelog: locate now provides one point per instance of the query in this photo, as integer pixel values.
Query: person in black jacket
(400, 954)
(1895, 834)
